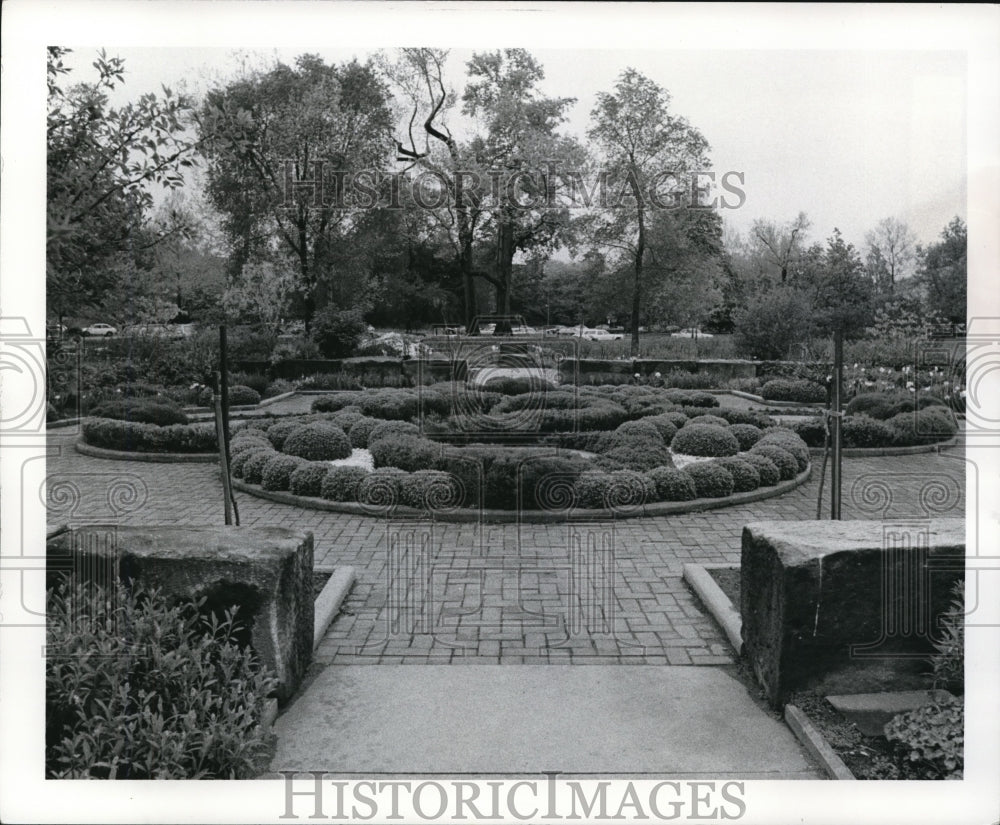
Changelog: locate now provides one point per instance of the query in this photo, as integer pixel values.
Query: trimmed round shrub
(361, 430)
(332, 403)
(637, 456)
(307, 479)
(279, 431)
(239, 460)
(691, 398)
(672, 485)
(241, 395)
(380, 488)
(342, 483)
(766, 469)
(591, 488)
(150, 438)
(710, 479)
(862, 431)
(511, 385)
(746, 434)
(708, 419)
(745, 475)
(159, 411)
(923, 427)
(664, 424)
(278, 472)
(345, 419)
(406, 452)
(385, 429)
(430, 490)
(242, 443)
(392, 404)
(885, 405)
(793, 389)
(787, 466)
(257, 430)
(811, 431)
(253, 468)
(734, 416)
(319, 441)
(705, 440)
(632, 432)
(620, 489)
(790, 442)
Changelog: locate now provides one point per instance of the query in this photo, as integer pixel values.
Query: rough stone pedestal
(267, 571)
(845, 606)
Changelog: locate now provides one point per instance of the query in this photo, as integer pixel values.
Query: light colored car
(690, 332)
(100, 330)
(603, 335)
(523, 330)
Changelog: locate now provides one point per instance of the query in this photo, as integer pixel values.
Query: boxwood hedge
(787, 466)
(319, 441)
(705, 440)
(710, 479)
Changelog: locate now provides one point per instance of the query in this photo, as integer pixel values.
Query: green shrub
(150, 438)
(790, 442)
(710, 479)
(190, 706)
(812, 431)
(160, 411)
(948, 660)
(347, 418)
(672, 485)
(705, 440)
(745, 476)
(342, 483)
(746, 434)
(632, 433)
(381, 489)
(241, 444)
(932, 737)
(621, 489)
(279, 431)
(734, 416)
(254, 380)
(240, 459)
(390, 428)
(360, 431)
(793, 389)
(253, 467)
(406, 452)
(509, 385)
(278, 472)
(332, 403)
(691, 398)
(243, 396)
(307, 480)
(787, 466)
(710, 420)
(885, 405)
(924, 427)
(319, 441)
(766, 469)
(862, 431)
(337, 332)
(638, 455)
(430, 490)
(664, 424)
(589, 441)
(538, 478)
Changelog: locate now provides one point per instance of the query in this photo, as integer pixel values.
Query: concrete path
(669, 721)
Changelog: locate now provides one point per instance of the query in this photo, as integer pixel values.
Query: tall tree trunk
(640, 251)
(505, 265)
(469, 308)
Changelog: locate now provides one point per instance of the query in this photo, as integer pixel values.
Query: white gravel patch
(359, 457)
(682, 460)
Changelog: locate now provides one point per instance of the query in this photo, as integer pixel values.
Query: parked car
(100, 330)
(691, 332)
(603, 335)
(55, 330)
(523, 329)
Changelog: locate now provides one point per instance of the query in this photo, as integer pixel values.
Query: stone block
(267, 571)
(845, 606)
(872, 711)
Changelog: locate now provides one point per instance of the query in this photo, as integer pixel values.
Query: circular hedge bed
(606, 448)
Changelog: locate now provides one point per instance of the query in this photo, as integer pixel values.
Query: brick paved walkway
(596, 593)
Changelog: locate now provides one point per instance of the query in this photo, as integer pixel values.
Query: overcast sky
(849, 137)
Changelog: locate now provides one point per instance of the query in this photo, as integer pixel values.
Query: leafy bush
(589, 441)
(253, 467)
(664, 424)
(691, 398)
(319, 441)
(708, 419)
(347, 418)
(734, 416)
(407, 452)
(430, 490)
(705, 440)
(391, 428)
(239, 460)
(505, 472)
(149, 438)
(332, 403)
(769, 324)
(342, 483)
(243, 396)
(710, 479)
(672, 485)
(278, 472)
(789, 389)
(307, 479)
(766, 469)
(508, 385)
(746, 434)
(160, 411)
(948, 659)
(812, 431)
(787, 466)
(631, 433)
(932, 737)
(256, 381)
(381, 488)
(862, 431)
(598, 490)
(746, 477)
(189, 707)
(790, 442)
(242, 443)
(637, 455)
(280, 430)
(360, 431)
(923, 427)
(338, 331)
(884, 405)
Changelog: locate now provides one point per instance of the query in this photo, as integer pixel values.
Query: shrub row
(132, 436)
(144, 410)
(793, 389)
(907, 429)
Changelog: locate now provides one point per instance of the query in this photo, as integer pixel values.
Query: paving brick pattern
(430, 592)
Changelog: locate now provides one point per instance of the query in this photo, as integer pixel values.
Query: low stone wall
(845, 606)
(267, 571)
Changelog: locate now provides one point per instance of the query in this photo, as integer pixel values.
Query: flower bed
(632, 437)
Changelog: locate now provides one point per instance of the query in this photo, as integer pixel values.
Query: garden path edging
(814, 742)
(90, 450)
(873, 452)
(466, 515)
(327, 604)
(716, 601)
